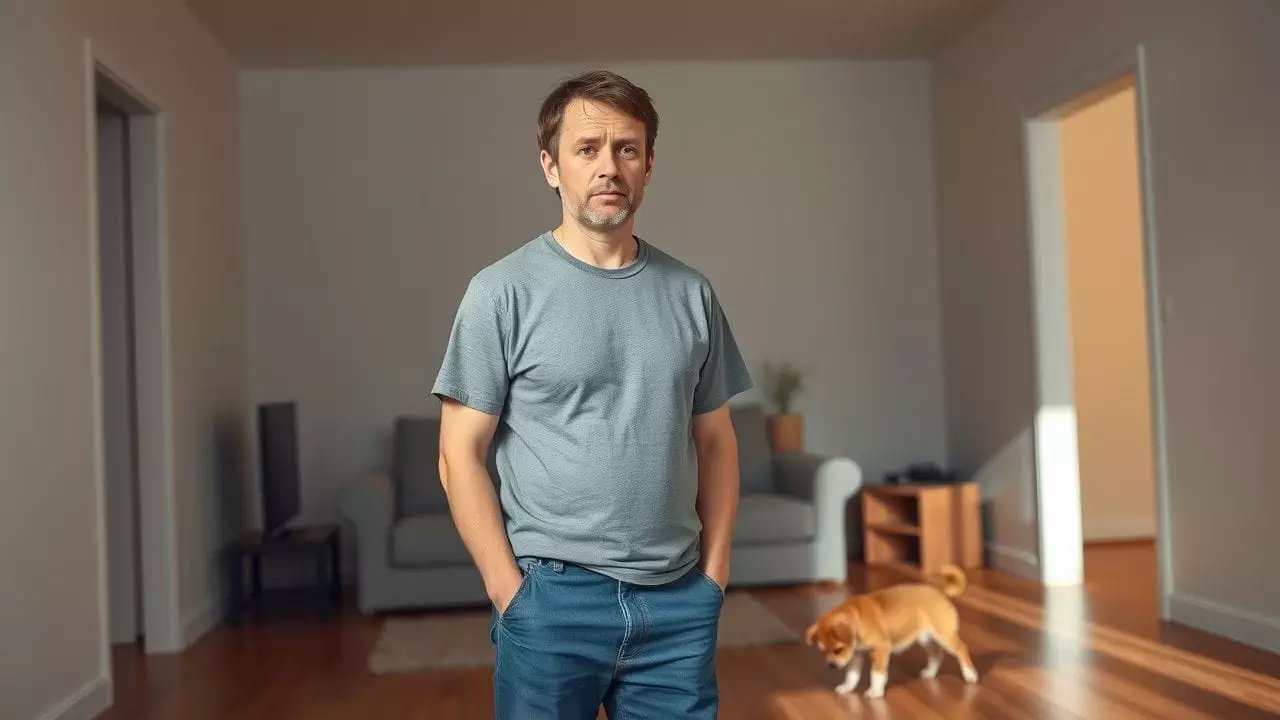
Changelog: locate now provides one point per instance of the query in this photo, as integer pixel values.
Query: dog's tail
(953, 580)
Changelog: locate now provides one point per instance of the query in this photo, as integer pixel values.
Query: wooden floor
(1092, 653)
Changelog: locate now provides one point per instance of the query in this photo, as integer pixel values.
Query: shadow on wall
(236, 501)
(1009, 523)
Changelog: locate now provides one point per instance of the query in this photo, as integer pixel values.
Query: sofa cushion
(430, 539)
(755, 459)
(764, 519)
(416, 450)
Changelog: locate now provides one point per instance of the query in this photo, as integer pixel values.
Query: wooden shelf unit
(922, 527)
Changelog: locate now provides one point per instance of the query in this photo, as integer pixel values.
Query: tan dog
(888, 621)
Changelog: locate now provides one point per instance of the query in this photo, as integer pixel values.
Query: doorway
(119, 375)
(1106, 288)
(1099, 430)
(137, 538)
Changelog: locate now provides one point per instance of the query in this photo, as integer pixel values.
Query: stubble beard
(605, 221)
(599, 221)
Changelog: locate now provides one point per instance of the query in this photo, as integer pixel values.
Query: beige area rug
(457, 640)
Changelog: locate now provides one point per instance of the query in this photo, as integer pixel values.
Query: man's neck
(607, 250)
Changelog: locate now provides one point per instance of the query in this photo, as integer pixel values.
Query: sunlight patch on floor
(1066, 627)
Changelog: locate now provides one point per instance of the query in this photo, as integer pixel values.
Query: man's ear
(811, 634)
(549, 169)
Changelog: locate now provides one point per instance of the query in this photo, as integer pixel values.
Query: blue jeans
(572, 639)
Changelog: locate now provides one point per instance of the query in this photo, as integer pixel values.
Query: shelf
(894, 528)
(922, 526)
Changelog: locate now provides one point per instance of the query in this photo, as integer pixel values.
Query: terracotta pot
(786, 432)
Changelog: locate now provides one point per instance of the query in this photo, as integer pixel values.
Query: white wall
(804, 191)
(54, 655)
(1102, 213)
(1213, 110)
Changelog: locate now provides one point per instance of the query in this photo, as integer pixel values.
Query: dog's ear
(811, 634)
(846, 628)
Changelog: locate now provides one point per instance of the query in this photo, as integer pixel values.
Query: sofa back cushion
(416, 458)
(755, 459)
(416, 449)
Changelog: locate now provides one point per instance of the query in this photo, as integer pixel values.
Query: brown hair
(599, 86)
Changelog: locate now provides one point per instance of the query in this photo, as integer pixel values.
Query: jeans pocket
(521, 591)
(714, 585)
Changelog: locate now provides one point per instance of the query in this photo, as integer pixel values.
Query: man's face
(602, 167)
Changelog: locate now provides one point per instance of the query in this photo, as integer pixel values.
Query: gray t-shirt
(595, 375)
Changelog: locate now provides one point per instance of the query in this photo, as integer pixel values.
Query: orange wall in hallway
(1102, 205)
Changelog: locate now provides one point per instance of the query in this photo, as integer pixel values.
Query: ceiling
(296, 33)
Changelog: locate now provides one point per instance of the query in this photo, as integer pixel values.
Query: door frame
(162, 629)
(1057, 479)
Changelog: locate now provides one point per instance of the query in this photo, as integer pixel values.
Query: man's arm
(717, 448)
(465, 434)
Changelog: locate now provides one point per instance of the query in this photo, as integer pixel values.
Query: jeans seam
(626, 632)
(645, 626)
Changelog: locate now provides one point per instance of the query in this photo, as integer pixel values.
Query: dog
(886, 622)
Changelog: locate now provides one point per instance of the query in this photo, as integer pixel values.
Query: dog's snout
(833, 663)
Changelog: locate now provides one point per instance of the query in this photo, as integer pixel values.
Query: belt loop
(556, 566)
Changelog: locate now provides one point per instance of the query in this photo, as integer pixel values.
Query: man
(600, 367)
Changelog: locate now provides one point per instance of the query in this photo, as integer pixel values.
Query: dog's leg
(935, 659)
(879, 671)
(960, 651)
(852, 675)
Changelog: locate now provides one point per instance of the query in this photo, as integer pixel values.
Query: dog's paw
(845, 688)
(929, 673)
(970, 675)
(874, 692)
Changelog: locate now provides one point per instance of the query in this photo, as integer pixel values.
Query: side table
(321, 542)
(919, 527)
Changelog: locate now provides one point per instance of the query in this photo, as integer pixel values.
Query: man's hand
(717, 448)
(505, 588)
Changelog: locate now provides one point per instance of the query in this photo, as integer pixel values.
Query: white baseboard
(87, 702)
(1242, 626)
(201, 620)
(1014, 560)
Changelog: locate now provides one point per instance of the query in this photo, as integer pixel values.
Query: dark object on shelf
(320, 542)
(923, 473)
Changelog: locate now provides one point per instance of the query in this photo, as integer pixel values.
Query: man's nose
(608, 167)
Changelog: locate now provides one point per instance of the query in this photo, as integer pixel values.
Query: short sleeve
(724, 373)
(474, 370)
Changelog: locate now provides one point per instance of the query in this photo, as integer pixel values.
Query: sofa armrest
(820, 479)
(368, 502)
(828, 483)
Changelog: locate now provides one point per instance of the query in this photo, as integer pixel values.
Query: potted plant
(786, 427)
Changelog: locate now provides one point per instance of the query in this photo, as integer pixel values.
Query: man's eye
(629, 151)
(586, 151)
